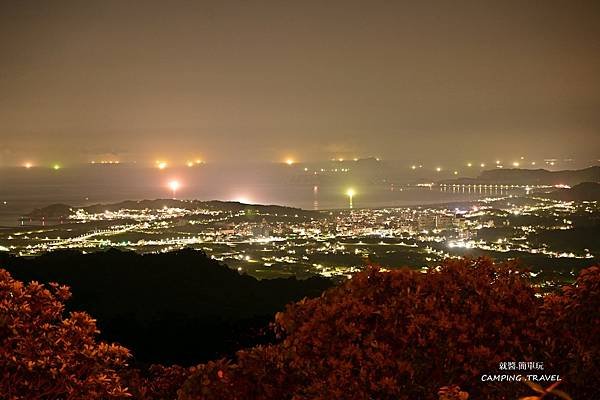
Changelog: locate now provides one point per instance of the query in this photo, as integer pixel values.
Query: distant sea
(22, 190)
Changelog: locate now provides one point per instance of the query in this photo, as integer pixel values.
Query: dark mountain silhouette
(181, 307)
(587, 191)
(519, 176)
(56, 211)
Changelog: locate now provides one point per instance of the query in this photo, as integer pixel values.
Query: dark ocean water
(22, 190)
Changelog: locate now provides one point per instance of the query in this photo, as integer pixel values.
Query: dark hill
(587, 191)
(57, 211)
(179, 307)
(53, 211)
(518, 176)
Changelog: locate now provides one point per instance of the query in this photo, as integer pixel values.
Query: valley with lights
(555, 238)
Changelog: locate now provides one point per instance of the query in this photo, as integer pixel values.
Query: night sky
(266, 80)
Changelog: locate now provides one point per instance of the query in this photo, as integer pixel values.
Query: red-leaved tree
(571, 320)
(156, 382)
(45, 355)
(404, 335)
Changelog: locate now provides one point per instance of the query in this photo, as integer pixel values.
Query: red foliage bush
(404, 335)
(44, 355)
(381, 335)
(156, 383)
(571, 320)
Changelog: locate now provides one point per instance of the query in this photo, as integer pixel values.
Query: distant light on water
(350, 193)
(174, 185)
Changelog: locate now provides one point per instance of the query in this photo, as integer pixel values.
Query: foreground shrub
(44, 355)
(571, 320)
(156, 382)
(405, 335)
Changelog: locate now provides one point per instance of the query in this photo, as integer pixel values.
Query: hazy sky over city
(263, 80)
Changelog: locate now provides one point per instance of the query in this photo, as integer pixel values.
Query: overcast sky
(264, 80)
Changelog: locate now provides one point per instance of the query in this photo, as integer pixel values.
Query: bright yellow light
(189, 163)
(161, 164)
(56, 167)
(533, 163)
(482, 165)
(350, 192)
(455, 172)
(515, 164)
(469, 164)
(28, 165)
(289, 161)
(497, 161)
(438, 169)
(413, 167)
